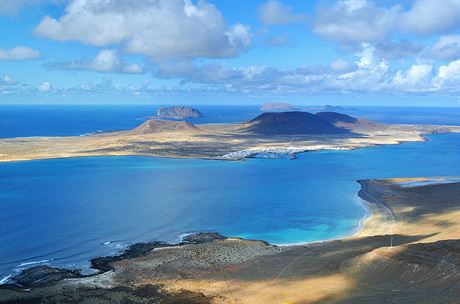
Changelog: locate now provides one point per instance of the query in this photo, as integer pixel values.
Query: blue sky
(353, 52)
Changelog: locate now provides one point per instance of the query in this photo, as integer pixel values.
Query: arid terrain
(285, 132)
(408, 251)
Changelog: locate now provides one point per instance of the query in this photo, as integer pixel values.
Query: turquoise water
(65, 211)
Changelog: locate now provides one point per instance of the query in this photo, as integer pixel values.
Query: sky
(351, 52)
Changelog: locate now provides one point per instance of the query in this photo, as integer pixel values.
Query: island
(272, 132)
(178, 113)
(278, 107)
(407, 251)
(333, 108)
(283, 107)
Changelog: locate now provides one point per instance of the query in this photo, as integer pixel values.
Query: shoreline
(208, 142)
(381, 260)
(368, 213)
(101, 265)
(241, 155)
(231, 156)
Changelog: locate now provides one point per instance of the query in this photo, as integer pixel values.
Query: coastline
(101, 264)
(209, 141)
(368, 214)
(240, 155)
(373, 263)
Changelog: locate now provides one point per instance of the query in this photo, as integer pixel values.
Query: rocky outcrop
(178, 113)
(138, 249)
(41, 275)
(134, 250)
(203, 237)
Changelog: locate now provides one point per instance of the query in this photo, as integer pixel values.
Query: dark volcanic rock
(134, 250)
(104, 263)
(203, 237)
(45, 275)
(335, 117)
(297, 123)
(41, 275)
(178, 112)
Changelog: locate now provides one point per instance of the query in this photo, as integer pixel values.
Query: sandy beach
(408, 250)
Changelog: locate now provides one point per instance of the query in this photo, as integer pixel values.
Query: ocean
(63, 212)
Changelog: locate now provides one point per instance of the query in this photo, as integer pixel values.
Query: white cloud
(449, 71)
(238, 36)
(369, 73)
(8, 80)
(133, 68)
(106, 61)
(397, 50)
(449, 76)
(44, 87)
(418, 76)
(18, 53)
(447, 47)
(341, 66)
(366, 56)
(156, 28)
(427, 17)
(355, 5)
(355, 21)
(274, 12)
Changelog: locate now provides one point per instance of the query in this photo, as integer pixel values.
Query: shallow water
(66, 211)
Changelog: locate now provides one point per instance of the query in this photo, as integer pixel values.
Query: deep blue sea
(63, 212)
